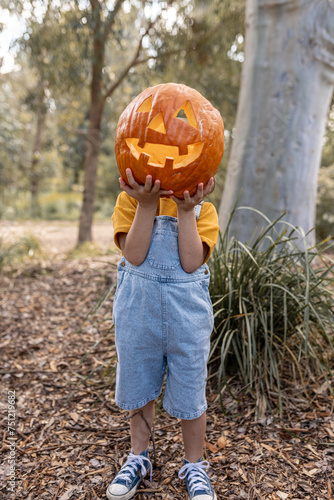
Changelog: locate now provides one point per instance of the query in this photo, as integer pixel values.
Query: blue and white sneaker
(197, 480)
(128, 478)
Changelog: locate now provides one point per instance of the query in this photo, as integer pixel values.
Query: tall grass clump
(273, 301)
(13, 254)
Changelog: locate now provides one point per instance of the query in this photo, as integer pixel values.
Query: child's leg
(125, 484)
(193, 432)
(194, 469)
(140, 433)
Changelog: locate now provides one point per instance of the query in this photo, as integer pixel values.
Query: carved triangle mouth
(159, 153)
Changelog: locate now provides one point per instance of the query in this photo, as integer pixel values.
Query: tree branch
(135, 61)
(131, 64)
(165, 54)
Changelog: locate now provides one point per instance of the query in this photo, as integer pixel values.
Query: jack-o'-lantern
(173, 133)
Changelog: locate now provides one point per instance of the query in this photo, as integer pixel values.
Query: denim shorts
(163, 321)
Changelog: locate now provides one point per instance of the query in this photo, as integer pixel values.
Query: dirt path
(55, 237)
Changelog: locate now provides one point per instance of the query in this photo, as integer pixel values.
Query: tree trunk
(286, 88)
(94, 133)
(35, 176)
(90, 168)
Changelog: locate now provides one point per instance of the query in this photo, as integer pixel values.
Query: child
(163, 318)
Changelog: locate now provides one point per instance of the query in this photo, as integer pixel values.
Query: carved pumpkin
(173, 133)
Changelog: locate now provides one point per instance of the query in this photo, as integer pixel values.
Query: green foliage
(328, 143)
(16, 253)
(274, 311)
(52, 48)
(15, 136)
(325, 208)
(60, 206)
(213, 52)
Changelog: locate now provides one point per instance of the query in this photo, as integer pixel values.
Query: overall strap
(198, 209)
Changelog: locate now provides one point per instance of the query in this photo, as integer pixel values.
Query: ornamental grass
(273, 301)
(15, 253)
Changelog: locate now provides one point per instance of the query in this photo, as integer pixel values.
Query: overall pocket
(163, 252)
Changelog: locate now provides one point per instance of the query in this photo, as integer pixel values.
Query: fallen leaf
(282, 495)
(74, 416)
(53, 366)
(211, 447)
(329, 432)
(311, 472)
(221, 442)
(322, 389)
(306, 487)
(67, 495)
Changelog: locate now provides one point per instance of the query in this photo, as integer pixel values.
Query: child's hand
(147, 195)
(189, 202)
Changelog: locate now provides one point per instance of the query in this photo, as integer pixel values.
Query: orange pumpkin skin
(152, 140)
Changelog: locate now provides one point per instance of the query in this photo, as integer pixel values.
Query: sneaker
(127, 480)
(197, 480)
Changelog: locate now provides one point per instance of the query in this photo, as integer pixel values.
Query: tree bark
(90, 168)
(286, 89)
(94, 131)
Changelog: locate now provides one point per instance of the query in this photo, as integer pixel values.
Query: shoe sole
(126, 496)
(214, 498)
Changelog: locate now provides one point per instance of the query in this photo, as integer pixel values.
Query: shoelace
(197, 476)
(130, 467)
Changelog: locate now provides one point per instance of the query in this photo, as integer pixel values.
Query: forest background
(45, 97)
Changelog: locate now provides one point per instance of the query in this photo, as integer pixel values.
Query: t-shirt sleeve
(123, 215)
(207, 226)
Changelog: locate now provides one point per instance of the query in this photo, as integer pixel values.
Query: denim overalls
(163, 318)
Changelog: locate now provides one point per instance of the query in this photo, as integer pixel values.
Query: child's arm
(192, 250)
(136, 242)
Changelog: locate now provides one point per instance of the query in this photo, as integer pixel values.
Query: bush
(17, 252)
(60, 206)
(274, 310)
(325, 208)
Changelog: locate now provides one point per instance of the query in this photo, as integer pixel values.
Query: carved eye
(157, 123)
(186, 114)
(145, 106)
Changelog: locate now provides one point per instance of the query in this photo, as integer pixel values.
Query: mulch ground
(68, 438)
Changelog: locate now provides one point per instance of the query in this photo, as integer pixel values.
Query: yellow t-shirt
(207, 223)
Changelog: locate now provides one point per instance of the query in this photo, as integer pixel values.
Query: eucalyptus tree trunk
(93, 140)
(90, 168)
(286, 88)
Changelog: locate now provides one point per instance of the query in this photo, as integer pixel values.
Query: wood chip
(282, 495)
(72, 438)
